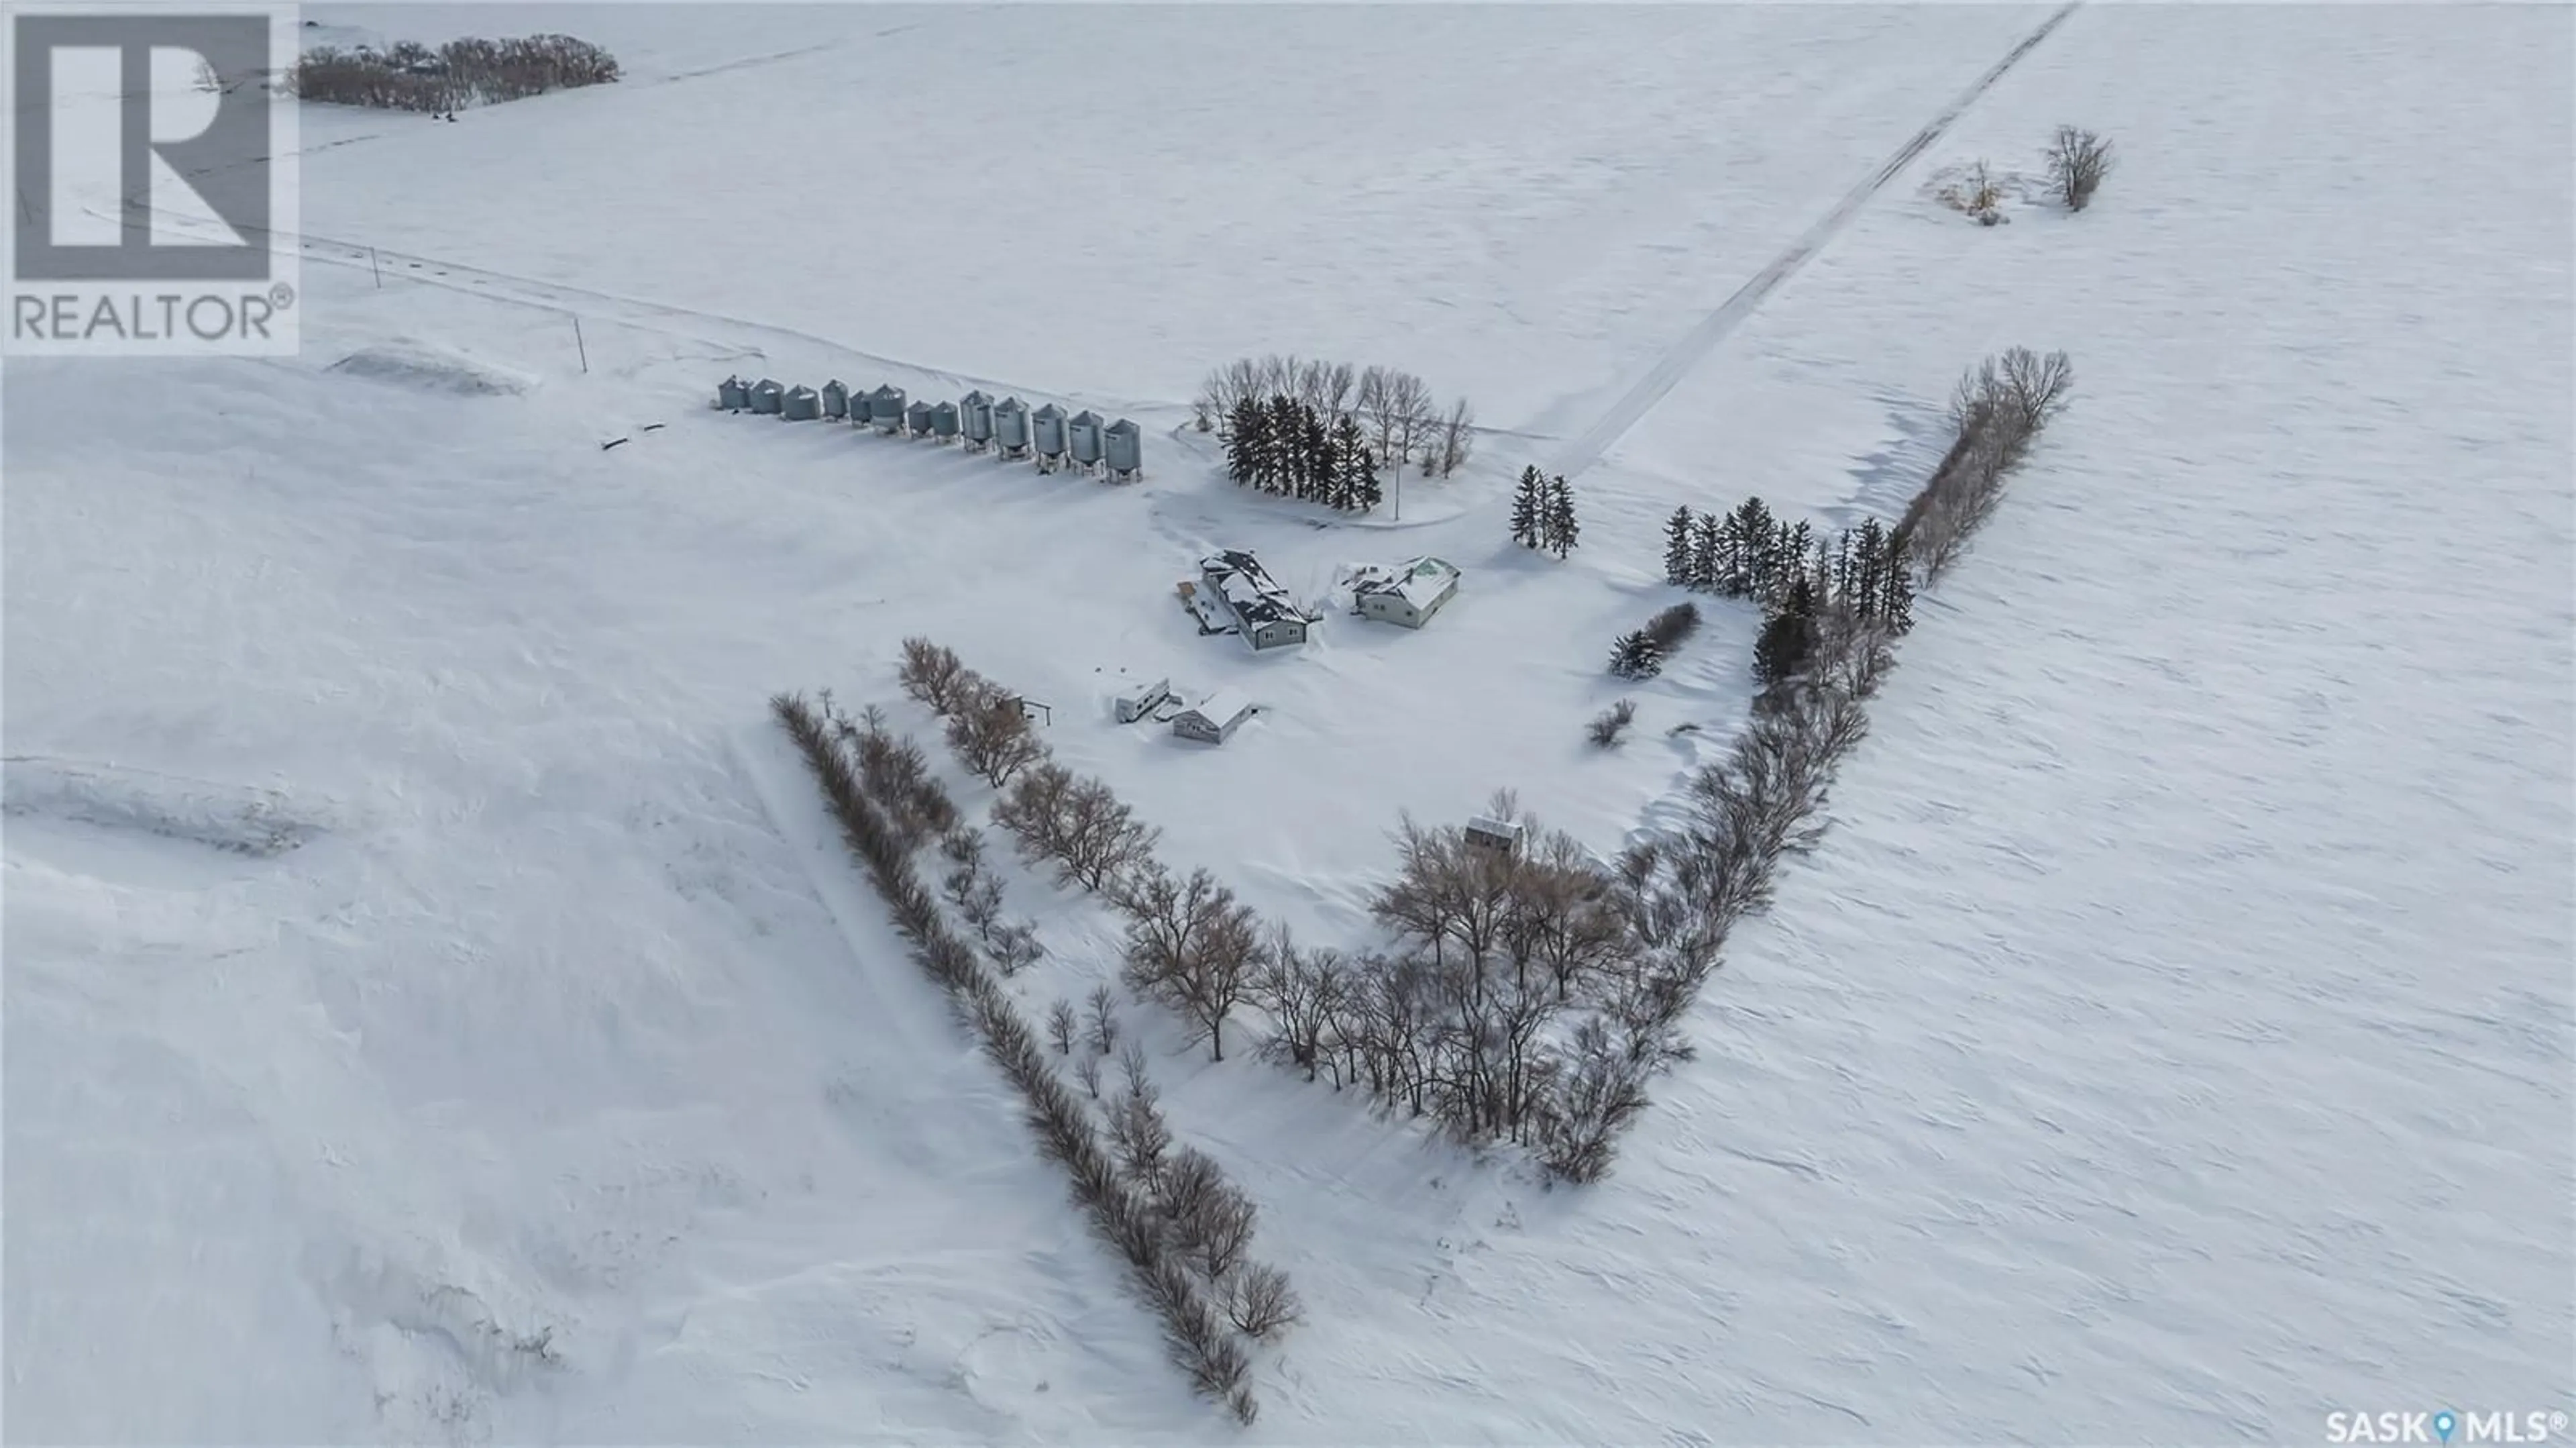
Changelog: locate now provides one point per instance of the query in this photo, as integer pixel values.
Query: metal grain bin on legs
(885, 409)
(1124, 448)
(1046, 434)
(1082, 439)
(916, 420)
(802, 404)
(1011, 427)
(975, 419)
(836, 400)
(943, 422)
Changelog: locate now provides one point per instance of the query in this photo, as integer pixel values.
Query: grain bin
(733, 394)
(943, 422)
(1125, 450)
(1011, 427)
(802, 404)
(1082, 438)
(916, 420)
(975, 416)
(767, 396)
(836, 400)
(1046, 432)
(885, 409)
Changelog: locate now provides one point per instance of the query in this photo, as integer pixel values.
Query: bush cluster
(1394, 411)
(1997, 411)
(409, 76)
(1164, 1258)
(1640, 653)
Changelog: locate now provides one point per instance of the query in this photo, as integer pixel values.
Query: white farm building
(1410, 595)
(1215, 720)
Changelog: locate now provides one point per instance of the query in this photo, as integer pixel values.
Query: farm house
(1408, 596)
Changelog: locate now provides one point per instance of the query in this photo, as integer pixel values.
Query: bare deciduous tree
(1102, 836)
(1457, 438)
(931, 674)
(1612, 722)
(1191, 945)
(1061, 1024)
(1262, 1302)
(1086, 1072)
(2077, 161)
(1104, 1019)
(991, 736)
(1410, 412)
(1304, 992)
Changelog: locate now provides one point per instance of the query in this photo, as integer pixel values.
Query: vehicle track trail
(1587, 447)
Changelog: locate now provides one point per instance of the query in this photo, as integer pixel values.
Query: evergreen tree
(1287, 447)
(1525, 508)
(1707, 548)
(1790, 638)
(1868, 586)
(1677, 548)
(1557, 525)
(1365, 492)
(1635, 656)
(1244, 441)
(1355, 474)
(1321, 477)
(1797, 551)
(1896, 593)
(1744, 551)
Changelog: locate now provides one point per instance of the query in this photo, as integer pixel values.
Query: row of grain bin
(1009, 428)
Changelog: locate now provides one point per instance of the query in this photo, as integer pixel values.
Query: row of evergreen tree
(1292, 449)
(1863, 572)
(1543, 513)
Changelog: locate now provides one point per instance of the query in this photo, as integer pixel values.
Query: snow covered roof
(1422, 582)
(1239, 579)
(1221, 706)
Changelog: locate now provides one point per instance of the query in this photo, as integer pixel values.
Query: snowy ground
(434, 1010)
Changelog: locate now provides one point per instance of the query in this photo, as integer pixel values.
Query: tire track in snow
(1676, 363)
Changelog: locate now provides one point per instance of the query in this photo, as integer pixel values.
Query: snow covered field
(434, 1009)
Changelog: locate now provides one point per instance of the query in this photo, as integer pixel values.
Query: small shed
(1082, 438)
(1046, 430)
(1011, 427)
(1503, 837)
(943, 421)
(836, 400)
(885, 409)
(1138, 703)
(975, 420)
(1214, 720)
(1124, 448)
(802, 404)
(733, 394)
(768, 396)
(916, 420)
